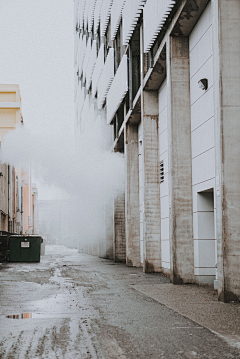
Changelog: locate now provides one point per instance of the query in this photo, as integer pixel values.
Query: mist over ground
(88, 177)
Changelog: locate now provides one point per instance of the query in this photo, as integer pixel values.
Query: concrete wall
(180, 164)
(132, 197)
(226, 30)
(119, 244)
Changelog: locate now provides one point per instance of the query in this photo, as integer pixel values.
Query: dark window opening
(136, 61)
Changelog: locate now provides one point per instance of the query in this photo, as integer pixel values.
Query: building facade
(164, 76)
(15, 184)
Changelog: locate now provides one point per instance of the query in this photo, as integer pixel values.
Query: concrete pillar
(119, 243)
(180, 172)
(226, 50)
(151, 185)
(109, 210)
(132, 197)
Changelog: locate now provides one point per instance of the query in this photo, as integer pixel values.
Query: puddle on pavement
(40, 315)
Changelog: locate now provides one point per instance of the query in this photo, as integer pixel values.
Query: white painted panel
(203, 167)
(97, 70)
(206, 228)
(206, 71)
(155, 13)
(97, 15)
(162, 97)
(163, 138)
(116, 14)
(105, 15)
(131, 13)
(165, 251)
(164, 189)
(166, 265)
(106, 78)
(118, 89)
(201, 27)
(207, 272)
(202, 110)
(163, 120)
(165, 207)
(195, 225)
(203, 138)
(141, 245)
(164, 229)
(201, 52)
(204, 253)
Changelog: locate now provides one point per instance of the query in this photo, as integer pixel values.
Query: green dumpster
(25, 248)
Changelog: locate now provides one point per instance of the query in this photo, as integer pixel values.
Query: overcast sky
(36, 52)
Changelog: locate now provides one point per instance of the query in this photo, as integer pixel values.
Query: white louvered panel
(91, 64)
(81, 99)
(82, 4)
(106, 78)
(118, 89)
(87, 58)
(155, 13)
(97, 15)
(81, 51)
(85, 109)
(85, 15)
(91, 14)
(105, 15)
(116, 14)
(97, 70)
(130, 15)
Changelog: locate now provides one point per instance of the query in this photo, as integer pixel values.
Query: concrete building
(15, 184)
(164, 76)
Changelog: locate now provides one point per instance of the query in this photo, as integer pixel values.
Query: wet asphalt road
(81, 306)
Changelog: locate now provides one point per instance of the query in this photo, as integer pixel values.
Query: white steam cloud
(88, 175)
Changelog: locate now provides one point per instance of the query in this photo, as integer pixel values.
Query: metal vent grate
(161, 167)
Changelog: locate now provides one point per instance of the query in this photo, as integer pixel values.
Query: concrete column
(180, 170)
(151, 185)
(119, 243)
(132, 197)
(226, 52)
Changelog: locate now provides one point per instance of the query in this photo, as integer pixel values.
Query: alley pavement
(73, 305)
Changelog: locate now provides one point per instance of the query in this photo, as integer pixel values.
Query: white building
(161, 80)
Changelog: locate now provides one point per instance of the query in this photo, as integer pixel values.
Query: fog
(87, 176)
